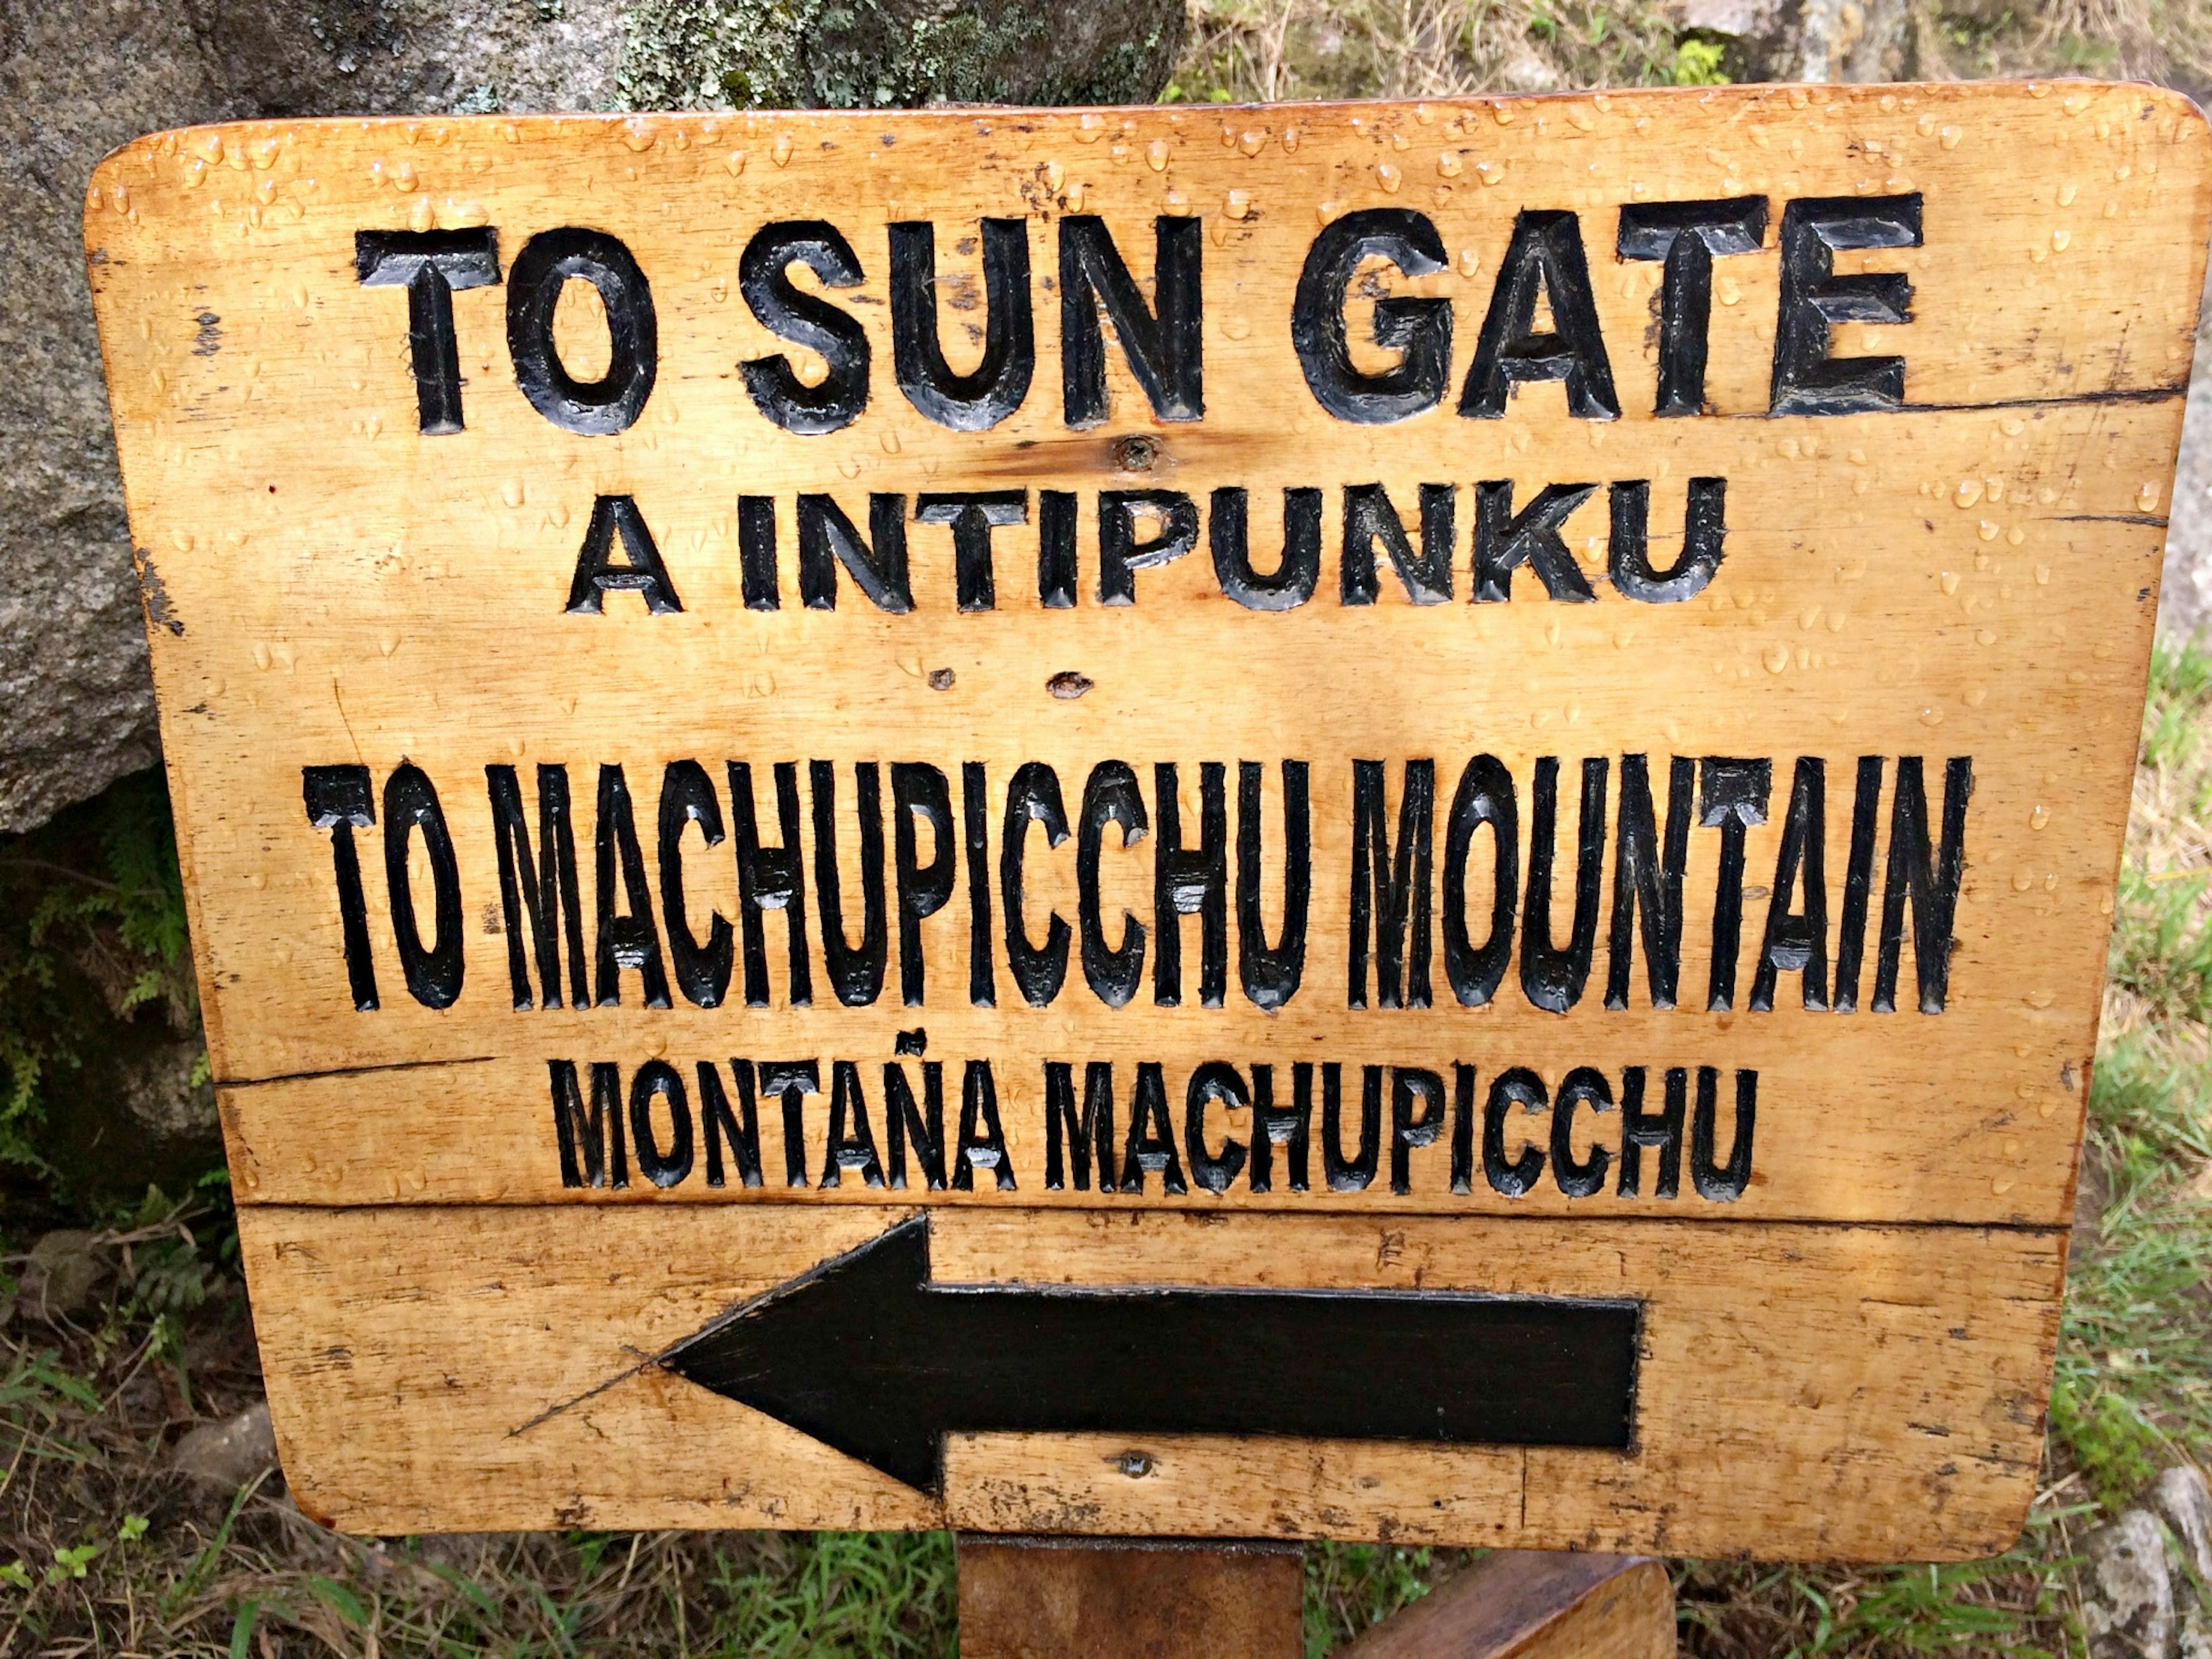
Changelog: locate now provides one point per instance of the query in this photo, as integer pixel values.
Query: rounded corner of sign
(2183, 106)
(301, 1491)
(117, 160)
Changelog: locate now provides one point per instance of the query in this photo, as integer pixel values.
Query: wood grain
(1862, 1392)
(1969, 575)
(1024, 1598)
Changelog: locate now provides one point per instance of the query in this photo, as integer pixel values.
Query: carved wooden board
(1383, 820)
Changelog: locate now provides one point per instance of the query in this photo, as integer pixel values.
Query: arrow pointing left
(866, 1354)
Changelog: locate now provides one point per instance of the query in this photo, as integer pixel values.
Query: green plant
(2180, 686)
(70, 1562)
(1350, 1587)
(2115, 1449)
(92, 931)
(2162, 941)
(873, 1596)
(1697, 63)
(2134, 1383)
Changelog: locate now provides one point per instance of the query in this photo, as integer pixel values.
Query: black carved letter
(547, 262)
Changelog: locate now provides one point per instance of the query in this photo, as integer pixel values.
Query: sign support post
(1139, 1598)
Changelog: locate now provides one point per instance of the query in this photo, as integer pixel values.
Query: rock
(1737, 20)
(871, 54)
(1859, 40)
(397, 57)
(2183, 1502)
(2128, 1610)
(139, 1114)
(230, 1452)
(2184, 599)
(62, 1276)
(1832, 40)
(75, 82)
(1525, 71)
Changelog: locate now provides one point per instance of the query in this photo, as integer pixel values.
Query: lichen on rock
(876, 54)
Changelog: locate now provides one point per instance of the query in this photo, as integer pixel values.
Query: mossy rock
(881, 54)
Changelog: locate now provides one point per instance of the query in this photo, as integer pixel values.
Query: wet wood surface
(414, 566)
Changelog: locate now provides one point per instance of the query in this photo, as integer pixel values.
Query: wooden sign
(1383, 820)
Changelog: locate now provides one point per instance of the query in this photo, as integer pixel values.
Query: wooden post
(1120, 1598)
(1534, 1604)
(1128, 1598)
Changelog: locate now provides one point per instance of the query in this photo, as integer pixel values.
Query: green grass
(1351, 1587)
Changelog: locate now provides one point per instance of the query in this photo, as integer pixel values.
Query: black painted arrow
(865, 1354)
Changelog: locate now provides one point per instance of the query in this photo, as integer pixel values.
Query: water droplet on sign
(735, 161)
(1491, 173)
(1252, 141)
(1090, 129)
(1949, 137)
(1239, 204)
(1449, 164)
(2038, 817)
(1389, 177)
(1469, 262)
(779, 151)
(1156, 156)
(1968, 492)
